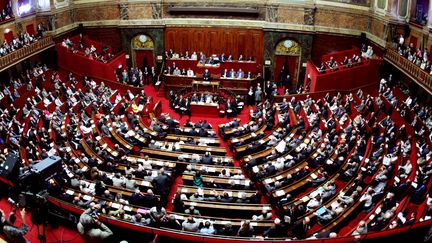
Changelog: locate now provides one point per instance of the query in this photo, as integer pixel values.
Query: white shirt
(190, 73)
(367, 199)
(401, 40)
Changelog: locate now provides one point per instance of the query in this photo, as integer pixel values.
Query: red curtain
(413, 40)
(3, 4)
(30, 29)
(292, 66)
(142, 56)
(9, 36)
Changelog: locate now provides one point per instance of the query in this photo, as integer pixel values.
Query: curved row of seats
(111, 160)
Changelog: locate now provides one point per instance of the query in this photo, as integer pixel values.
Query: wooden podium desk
(204, 109)
(236, 85)
(198, 67)
(197, 83)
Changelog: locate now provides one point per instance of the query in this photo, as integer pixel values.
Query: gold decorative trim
(138, 44)
(293, 50)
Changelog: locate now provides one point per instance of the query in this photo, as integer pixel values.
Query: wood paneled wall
(231, 41)
(108, 36)
(325, 44)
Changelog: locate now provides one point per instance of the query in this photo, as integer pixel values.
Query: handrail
(195, 237)
(25, 52)
(421, 77)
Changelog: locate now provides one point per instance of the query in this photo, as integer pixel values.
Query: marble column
(429, 22)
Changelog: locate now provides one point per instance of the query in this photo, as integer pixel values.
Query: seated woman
(198, 180)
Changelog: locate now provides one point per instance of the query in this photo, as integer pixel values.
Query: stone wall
(272, 38)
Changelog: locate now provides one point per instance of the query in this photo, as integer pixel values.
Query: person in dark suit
(287, 82)
(161, 183)
(202, 133)
(277, 230)
(300, 228)
(206, 125)
(206, 75)
(207, 158)
(153, 75)
(240, 74)
(211, 61)
(230, 108)
(146, 75)
(231, 74)
(224, 73)
(222, 57)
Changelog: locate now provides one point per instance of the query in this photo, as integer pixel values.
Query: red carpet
(59, 234)
(66, 234)
(214, 121)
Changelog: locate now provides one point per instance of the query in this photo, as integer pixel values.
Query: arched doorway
(287, 62)
(142, 51)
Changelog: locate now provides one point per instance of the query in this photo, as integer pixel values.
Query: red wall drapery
(3, 4)
(9, 36)
(30, 29)
(139, 58)
(292, 66)
(413, 40)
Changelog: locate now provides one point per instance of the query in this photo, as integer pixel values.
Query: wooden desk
(208, 65)
(203, 149)
(188, 190)
(228, 206)
(223, 181)
(197, 67)
(209, 141)
(155, 153)
(133, 209)
(197, 83)
(238, 86)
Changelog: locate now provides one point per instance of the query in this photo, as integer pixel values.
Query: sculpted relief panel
(140, 11)
(356, 2)
(108, 12)
(341, 20)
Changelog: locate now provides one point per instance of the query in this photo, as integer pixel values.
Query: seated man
(240, 74)
(67, 43)
(177, 71)
(211, 61)
(249, 75)
(224, 73)
(345, 61)
(231, 74)
(331, 62)
(222, 57)
(322, 68)
(190, 73)
(92, 49)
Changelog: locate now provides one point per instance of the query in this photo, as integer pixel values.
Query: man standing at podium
(206, 75)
